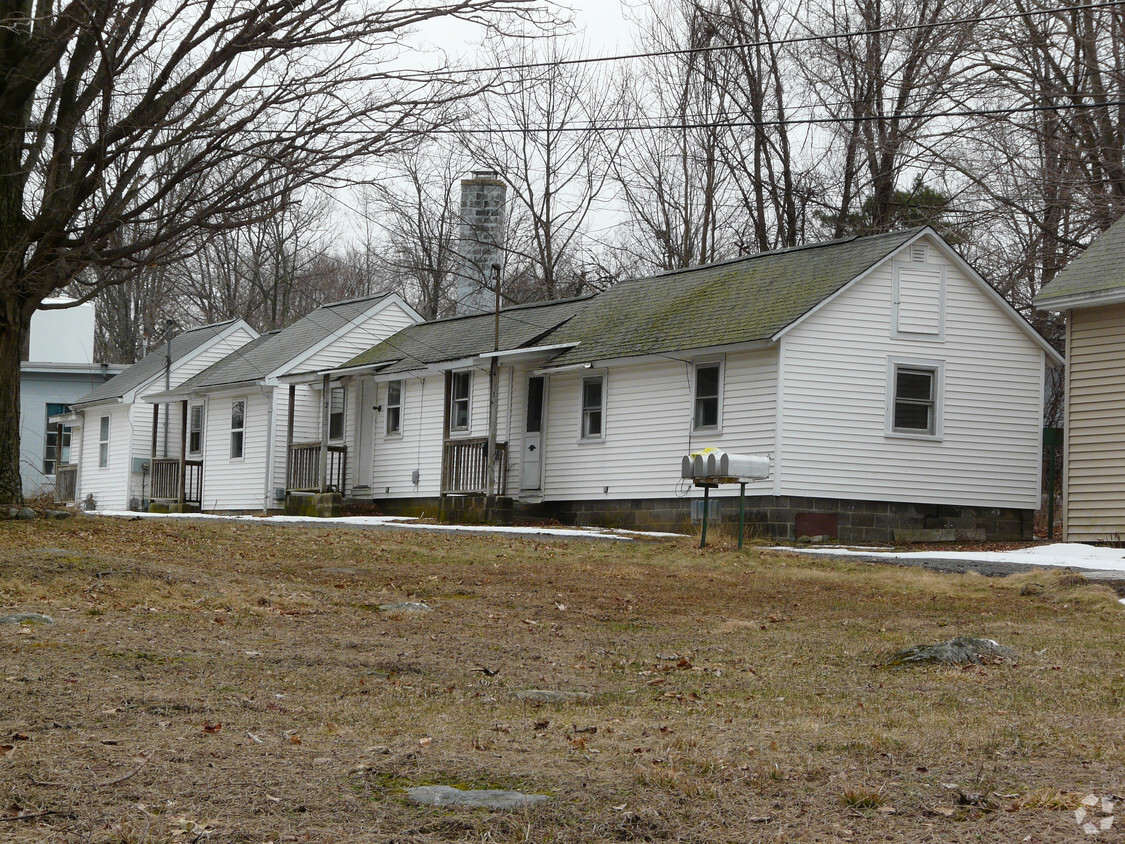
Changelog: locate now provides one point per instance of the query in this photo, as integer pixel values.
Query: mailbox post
(710, 467)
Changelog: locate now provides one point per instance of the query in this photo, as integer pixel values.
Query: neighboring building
(1091, 293)
(116, 433)
(891, 385)
(240, 417)
(60, 369)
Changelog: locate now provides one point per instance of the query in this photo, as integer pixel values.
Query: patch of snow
(1064, 554)
(402, 522)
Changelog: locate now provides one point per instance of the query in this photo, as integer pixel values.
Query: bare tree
(95, 96)
(536, 133)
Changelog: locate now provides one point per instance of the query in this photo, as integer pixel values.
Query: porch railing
(304, 468)
(464, 466)
(66, 483)
(166, 480)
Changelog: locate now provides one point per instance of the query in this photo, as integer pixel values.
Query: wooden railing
(464, 466)
(166, 480)
(66, 483)
(304, 468)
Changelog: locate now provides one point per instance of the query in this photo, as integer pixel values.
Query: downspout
(269, 447)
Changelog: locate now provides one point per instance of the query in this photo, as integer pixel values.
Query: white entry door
(531, 459)
(365, 432)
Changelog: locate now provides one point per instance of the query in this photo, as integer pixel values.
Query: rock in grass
(485, 798)
(26, 513)
(960, 651)
(58, 514)
(548, 696)
(405, 606)
(26, 618)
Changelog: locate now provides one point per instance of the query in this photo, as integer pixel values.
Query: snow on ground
(1066, 554)
(402, 523)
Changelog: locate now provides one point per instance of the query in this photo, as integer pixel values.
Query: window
(195, 429)
(915, 399)
(237, 427)
(460, 390)
(394, 408)
(336, 414)
(708, 390)
(54, 451)
(103, 443)
(593, 407)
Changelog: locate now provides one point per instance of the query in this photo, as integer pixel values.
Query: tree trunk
(11, 341)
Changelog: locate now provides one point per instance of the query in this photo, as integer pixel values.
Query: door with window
(531, 460)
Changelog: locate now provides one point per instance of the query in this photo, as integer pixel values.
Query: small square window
(593, 407)
(915, 400)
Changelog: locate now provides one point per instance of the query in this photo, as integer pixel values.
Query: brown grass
(735, 696)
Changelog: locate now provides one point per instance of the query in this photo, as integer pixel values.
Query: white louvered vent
(919, 252)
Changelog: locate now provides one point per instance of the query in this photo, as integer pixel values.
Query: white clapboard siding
(648, 427)
(109, 484)
(235, 484)
(1095, 442)
(417, 446)
(835, 402)
(357, 338)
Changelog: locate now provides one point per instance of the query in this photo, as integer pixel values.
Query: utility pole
(494, 390)
(168, 323)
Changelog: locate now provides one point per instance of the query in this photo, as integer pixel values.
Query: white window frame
(396, 431)
(192, 407)
(341, 414)
(103, 442)
(937, 368)
(240, 431)
(717, 428)
(583, 437)
(468, 399)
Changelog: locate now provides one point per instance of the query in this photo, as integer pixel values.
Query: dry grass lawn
(237, 682)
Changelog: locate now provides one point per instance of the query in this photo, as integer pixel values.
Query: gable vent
(919, 252)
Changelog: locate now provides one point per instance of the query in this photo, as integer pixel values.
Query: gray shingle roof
(153, 363)
(459, 337)
(272, 351)
(719, 304)
(1100, 269)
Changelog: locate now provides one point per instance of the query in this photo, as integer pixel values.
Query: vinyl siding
(235, 484)
(1095, 445)
(108, 485)
(835, 402)
(648, 427)
(376, 328)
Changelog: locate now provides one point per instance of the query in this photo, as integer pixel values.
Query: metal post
(1051, 492)
(289, 436)
(182, 494)
(492, 485)
(741, 513)
(324, 415)
(706, 499)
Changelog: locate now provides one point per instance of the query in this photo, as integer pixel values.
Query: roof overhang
(529, 352)
(679, 356)
(1079, 300)
(202, 392)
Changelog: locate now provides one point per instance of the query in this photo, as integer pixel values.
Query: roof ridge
(521, 306)
(372, 298)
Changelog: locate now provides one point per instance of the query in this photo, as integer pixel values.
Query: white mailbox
(714, 466)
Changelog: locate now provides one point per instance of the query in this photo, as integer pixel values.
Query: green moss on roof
(1100, 269)
(738, 301)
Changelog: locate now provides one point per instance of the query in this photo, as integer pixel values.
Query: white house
(891, 385)
(240, 417)
(115, 435)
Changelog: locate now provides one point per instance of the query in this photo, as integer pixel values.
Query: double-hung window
(103, 442)
(593, 408)
(237, 428)
(195, 430)
(459, 393)
(57, 445)
(394, 408)
(707, 410)
(335, 414)
(915, 399)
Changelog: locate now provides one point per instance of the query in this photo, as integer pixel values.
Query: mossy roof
(1098, 270)
(443, 340)
(740, 301)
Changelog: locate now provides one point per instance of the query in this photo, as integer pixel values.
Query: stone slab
(485, 798)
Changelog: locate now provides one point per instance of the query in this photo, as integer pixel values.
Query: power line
(771, 42)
